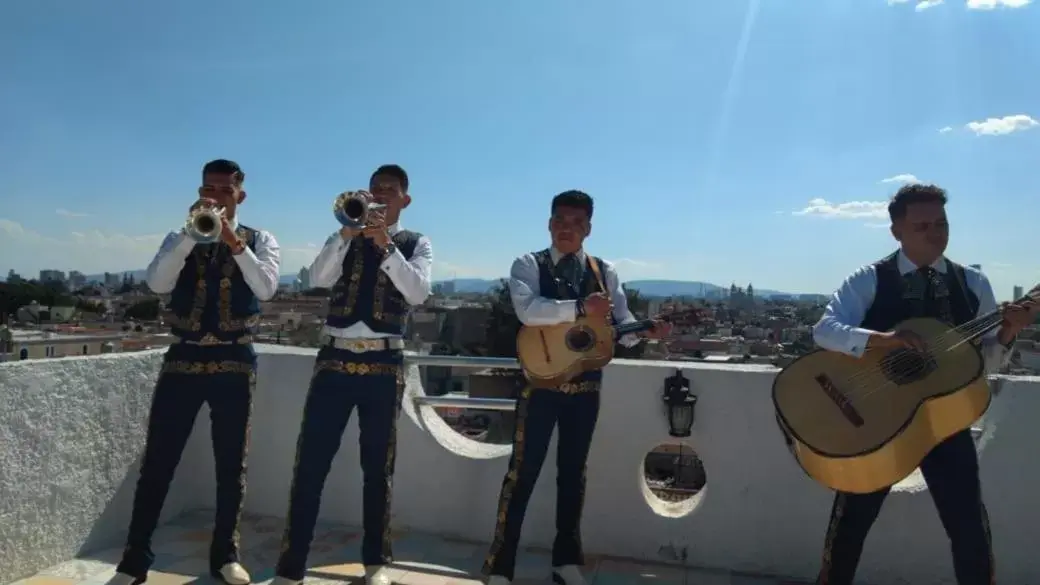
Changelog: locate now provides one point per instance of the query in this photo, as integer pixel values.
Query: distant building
(52, 276)
(1016, 293)
(77, 280)
(32, 344)
(304, 277)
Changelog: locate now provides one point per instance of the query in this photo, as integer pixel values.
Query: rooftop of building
(72, 430)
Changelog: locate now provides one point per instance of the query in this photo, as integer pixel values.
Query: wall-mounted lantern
(681, 404)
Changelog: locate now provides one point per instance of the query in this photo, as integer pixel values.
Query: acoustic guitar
(551, 355)
(859, 425)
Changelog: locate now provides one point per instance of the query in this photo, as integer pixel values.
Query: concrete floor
(181, 547)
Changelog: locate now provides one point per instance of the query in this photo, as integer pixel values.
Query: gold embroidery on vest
(352, 283)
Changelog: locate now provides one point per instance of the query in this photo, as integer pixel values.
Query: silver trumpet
(205, 224)
(352, 209)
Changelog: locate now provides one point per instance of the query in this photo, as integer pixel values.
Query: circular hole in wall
(673, 479)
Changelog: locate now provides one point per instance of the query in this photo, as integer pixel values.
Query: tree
(637, 303)
(146, 310)
(502, 324)
(14, 295)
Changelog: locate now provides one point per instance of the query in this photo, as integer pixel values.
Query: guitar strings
(963, 334)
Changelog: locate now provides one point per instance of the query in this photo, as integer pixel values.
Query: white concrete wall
(759, 513)
(72, 433)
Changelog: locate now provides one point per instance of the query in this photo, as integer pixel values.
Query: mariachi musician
(557, 285)
(917, 281)
(376, 270)
(216, 271)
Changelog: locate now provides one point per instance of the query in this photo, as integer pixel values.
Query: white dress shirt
(260, 269)
(412, 277)
(534, 309)
(839, 330)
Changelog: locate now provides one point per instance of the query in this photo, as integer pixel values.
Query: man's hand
(204, 202)
(229, 237)
(896, 340)
(376, 229)
(660, 330)
(1017, 316)
(597, 305)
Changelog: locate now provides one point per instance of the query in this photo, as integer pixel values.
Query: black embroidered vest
(211, 298)
(898, 297)
(553, 288)
(365, 293)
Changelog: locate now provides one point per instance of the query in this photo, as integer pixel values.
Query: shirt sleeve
(838, 329)
(261, 269)
(166, 267)
(412, 277)
(532, 308)
(994, 353)
(328, 264)
(622, 314)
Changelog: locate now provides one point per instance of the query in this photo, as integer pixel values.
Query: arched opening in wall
(673, 479)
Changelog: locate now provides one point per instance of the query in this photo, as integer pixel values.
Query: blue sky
(702, 129)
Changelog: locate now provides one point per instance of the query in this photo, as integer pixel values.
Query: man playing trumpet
(216, 271)
(376, 271)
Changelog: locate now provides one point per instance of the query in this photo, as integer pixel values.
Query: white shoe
(122, 579)
(284, 581)
(569, 575)
(498, 580)
(234, 574)
(377, 575)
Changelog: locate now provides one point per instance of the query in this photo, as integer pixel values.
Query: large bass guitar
(551, 355)
(862, 424)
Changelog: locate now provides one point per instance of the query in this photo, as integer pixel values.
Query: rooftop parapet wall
(72, 430)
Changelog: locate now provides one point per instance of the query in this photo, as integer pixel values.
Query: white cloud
(926, 4)
(27, 251)
(901, 178)
(70, 214)
(632, 269)
(945, 129)
(847, 210)
(92, 252)
(991, 4)
(1001, 126)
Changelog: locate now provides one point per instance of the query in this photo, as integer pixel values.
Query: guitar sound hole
(905, 366)
(579, 339)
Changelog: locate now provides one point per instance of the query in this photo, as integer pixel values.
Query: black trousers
(222, 377)
(371, 382)
(951, 471)
(538, 411)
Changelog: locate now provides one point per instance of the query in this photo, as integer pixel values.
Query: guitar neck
(635, 327)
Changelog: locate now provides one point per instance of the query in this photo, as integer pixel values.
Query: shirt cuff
(247, 258)
(629, 340)
(392, 261)
(857, 342)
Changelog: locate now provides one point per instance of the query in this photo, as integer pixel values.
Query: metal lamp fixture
(681, 404)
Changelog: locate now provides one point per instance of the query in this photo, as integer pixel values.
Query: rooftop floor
(181, 547)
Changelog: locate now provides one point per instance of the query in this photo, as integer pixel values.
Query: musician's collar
(906, 266)
(394, 228)
(233, 222)
(556, 255)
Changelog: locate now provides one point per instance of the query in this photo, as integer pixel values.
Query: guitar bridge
(840, 400)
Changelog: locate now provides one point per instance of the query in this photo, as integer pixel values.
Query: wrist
(1006, 335)
(237, 247)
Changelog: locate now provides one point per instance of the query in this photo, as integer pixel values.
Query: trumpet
(352, 209)
(205, 224)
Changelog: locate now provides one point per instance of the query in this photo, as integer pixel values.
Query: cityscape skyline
(719, 146)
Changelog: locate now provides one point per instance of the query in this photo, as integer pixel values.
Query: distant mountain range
(647, 288)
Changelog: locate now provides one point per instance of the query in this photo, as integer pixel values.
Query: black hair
(224, 167)
(394, 171)
(911, 194)
(573, 198)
